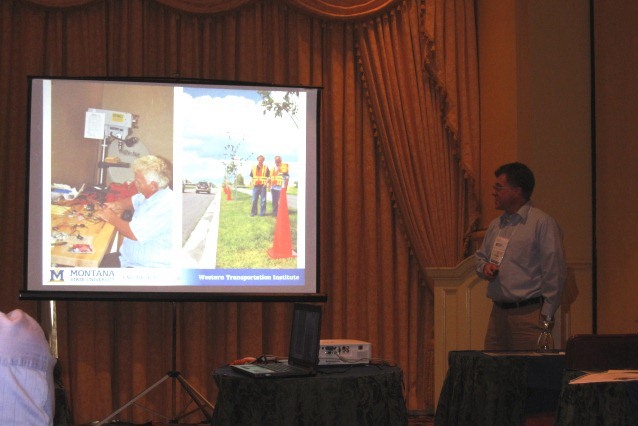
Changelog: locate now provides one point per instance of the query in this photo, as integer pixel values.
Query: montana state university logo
(57, 276)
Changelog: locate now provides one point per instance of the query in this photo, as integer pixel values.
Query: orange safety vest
(259, 178)
(277, 175)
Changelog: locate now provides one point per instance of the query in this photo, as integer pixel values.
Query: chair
(600, 352)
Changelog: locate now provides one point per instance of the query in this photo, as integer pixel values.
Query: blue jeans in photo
(259, 191)
(275, 193)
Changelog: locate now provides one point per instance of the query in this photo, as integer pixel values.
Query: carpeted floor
(414, 419)
(419, 419)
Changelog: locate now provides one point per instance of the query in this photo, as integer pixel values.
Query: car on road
(187, 185)
(202, 187)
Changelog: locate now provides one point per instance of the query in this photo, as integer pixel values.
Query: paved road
(193, 208)
(200, 218)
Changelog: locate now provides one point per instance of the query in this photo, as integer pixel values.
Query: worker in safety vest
(279, 180)
(260, 175)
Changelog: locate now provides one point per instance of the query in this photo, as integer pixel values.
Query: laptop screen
(305, 335)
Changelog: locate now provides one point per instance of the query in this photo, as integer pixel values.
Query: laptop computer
(303, 354)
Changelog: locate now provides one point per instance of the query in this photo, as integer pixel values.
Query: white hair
(154, 169)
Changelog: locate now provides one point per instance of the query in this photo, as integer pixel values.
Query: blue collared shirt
(152, 225)
(534, 261)
(26, 372)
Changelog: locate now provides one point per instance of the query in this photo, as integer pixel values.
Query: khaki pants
(515, 329)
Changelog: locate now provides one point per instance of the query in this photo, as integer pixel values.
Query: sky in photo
(209, 119)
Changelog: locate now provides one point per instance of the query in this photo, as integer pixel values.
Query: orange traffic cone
(282, 241)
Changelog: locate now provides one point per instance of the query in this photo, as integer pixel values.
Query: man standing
(279, 180)
(522, 258)
(260, 175)
(148, 237)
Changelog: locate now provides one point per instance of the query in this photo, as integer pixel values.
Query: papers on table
(606, 376)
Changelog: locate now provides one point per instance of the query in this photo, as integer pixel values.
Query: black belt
(512, 305)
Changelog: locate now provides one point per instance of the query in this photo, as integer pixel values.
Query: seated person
(148, 237)
(27, 395)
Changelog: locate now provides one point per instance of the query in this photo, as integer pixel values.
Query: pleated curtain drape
(399, 156)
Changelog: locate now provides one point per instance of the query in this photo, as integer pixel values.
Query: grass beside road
(243, 241)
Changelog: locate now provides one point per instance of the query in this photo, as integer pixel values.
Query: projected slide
(156, 189)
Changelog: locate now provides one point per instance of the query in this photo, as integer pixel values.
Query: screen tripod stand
(203, 405)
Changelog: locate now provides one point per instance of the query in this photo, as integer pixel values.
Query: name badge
(498, 250)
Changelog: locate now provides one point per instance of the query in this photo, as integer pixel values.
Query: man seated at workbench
(148, 237)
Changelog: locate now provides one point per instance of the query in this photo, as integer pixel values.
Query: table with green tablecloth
(599, 404)
(498, 388)
(337, 395)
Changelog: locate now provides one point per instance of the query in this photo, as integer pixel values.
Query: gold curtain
(328, 9)
(375, 237)
(426, 123)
